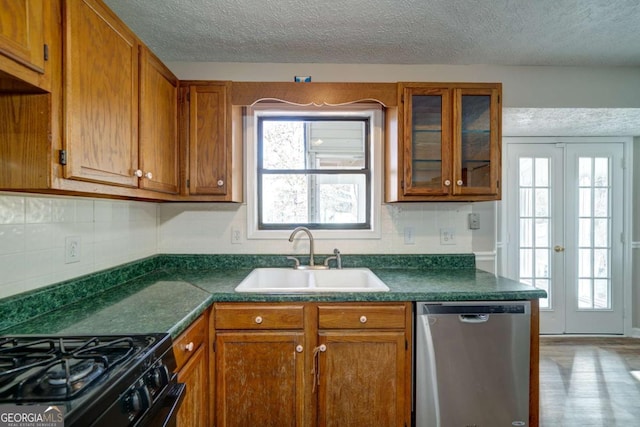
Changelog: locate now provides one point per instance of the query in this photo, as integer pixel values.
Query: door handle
(558, 248)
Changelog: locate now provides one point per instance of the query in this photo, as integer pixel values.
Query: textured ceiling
(497, 32)
(571, 121)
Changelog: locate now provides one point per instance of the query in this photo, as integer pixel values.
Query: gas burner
(61, 377)
(100, 381)
(57, 367)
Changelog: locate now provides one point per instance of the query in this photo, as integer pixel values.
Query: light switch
(474, 221)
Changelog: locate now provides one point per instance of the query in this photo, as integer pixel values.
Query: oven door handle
(168, 413)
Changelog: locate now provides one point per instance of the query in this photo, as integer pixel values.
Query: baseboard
(635, 333)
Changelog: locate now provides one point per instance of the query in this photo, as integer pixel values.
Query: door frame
(503, 240)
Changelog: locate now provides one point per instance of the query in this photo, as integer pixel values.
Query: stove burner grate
(58, 368)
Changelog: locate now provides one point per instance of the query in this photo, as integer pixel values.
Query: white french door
(564, 215)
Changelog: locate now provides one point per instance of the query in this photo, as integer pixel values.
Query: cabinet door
(208, 140)
(193, 410)
(22, 32)
(259, 378)
(362, 379)
(158, 125)
(426, 144)
(476, 141)
(101, 95)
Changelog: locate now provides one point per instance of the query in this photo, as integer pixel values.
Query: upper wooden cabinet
(212, 142)
(22, 40)
(101, 95)
(158, 136)
(448, 143)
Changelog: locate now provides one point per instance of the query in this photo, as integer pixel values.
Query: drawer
(258, 316)
(361, 316)
(189, 341)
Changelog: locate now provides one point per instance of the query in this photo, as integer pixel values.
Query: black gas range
(98, 380)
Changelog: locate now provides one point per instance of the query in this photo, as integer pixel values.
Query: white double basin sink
(289, 280)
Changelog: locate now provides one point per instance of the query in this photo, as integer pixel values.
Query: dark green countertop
(166, 293)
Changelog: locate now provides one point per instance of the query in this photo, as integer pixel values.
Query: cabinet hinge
(498, 184)
(188, 96)
(498, 99)
(406, 345)
(188, 183)
(46, 52)
(213, 346)
(402, 185)
(62, 157)
(402, 98)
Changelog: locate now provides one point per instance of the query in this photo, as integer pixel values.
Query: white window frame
(371, 111)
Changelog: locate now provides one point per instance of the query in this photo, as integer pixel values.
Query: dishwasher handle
(473, 318)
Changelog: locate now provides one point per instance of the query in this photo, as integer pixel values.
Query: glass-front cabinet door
(476, 141)
(448, 143)
(427, 132)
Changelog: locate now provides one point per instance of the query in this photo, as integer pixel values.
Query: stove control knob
(158, 377)
(138, 400)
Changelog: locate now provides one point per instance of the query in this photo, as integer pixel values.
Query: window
(313, 166)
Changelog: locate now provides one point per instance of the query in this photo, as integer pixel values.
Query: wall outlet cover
(72, 249)
(447, 236)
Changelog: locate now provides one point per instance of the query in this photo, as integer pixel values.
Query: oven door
(166, 415)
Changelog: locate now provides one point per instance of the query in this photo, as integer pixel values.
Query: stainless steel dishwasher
(472, 364)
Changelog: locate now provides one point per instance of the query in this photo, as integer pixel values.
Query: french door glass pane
(594, 246)
(534, 212)
(542, 232)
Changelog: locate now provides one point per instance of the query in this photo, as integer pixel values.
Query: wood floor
(589, 382)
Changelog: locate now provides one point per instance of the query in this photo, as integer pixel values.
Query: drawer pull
(189, 347)
(363, 319)
(299, 348)
(258, 319)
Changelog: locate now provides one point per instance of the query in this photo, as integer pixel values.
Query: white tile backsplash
(33, 229)
(206, 228)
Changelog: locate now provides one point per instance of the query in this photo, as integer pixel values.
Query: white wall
(33, 230)
(206, 228)
(532, 87)
(635, 251)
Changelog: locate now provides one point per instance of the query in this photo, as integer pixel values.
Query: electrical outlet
(409, 236)
(447, 236)
(236, 236)
(71, 249)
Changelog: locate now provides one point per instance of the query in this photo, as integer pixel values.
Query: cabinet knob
(299, 348)
(258, 319)
(363, 319)
(138, 173)
(148, 175)
(459, 182)
(558, 248)
(322, 348)
(220, 183)
(189, 347)
(447, 182)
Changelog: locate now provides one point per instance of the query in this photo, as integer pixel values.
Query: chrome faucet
(336, 257)
(311, 250)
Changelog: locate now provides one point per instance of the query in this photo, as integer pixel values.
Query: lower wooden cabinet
(190, 350)
(311, 364)
(259, 378)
